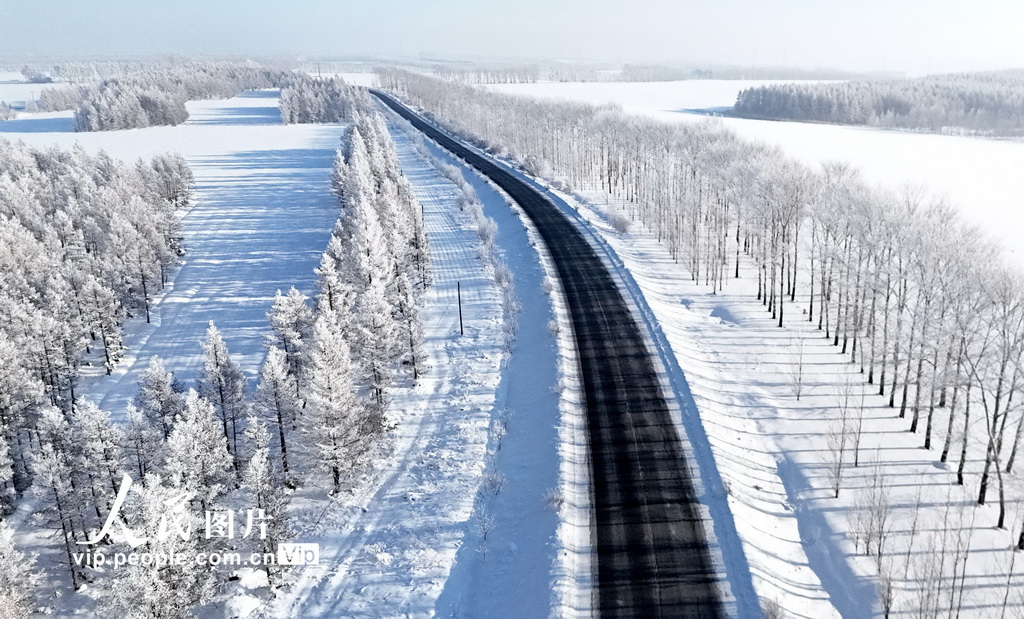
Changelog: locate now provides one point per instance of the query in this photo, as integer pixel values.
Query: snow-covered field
(388, 549)
(459, 514)
(263, 213)
(981, 177)
(14, 90)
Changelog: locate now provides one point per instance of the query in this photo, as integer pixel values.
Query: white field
(263, 214)
(981, 177)
(14, 90)
(460, 497)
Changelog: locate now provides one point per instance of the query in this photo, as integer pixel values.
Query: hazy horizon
(916, 36)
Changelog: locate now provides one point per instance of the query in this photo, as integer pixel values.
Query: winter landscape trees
(983, 103)
(156, 95)
(311, 100)
(86, 243)
(89, 242)
(917, 301)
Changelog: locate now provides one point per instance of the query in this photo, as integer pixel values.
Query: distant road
(652, 555)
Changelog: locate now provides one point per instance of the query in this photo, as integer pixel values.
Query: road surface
(652, 555)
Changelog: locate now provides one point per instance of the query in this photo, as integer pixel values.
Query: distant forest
(989, 103)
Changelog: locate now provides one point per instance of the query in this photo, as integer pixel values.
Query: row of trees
(85, 242)
(154, 477)
(318, 407)
(488, 74)
(918, 300)
(320, 100)
(985, 103)
(157, 94)
(667, 73)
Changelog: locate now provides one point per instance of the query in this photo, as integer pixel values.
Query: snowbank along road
(652, 555)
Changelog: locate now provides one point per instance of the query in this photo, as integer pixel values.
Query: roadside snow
(507, 566)
(772, 452)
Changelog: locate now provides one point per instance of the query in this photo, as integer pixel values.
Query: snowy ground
(455, 520)
(980, 176)
(771, 449)
(263, 213)
(15, 91)
(262, 216)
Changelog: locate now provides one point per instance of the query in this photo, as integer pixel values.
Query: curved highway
(652, 555)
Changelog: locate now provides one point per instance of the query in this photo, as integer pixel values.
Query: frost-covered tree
(222, 383)
(86, 242)
(18, 390)
(171, 527)
(320, 100)
(143, 443)
(410, 332)
(18, 578)
(334, 291)
(155, 94)
(276, 400)
(7, 493)
(983, 102)
(50, 466)
(377, 339)
(198, 460)
(292, 321)
(96, 455)
(338, 422)
(160, 398)
(263, 484)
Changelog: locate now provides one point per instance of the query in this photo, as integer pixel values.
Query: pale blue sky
(908, 35)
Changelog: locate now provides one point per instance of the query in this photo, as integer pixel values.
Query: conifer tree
(263, 484)
(222, 383)
(159, 398)
(198, 460)
(276, 400)
(337, 420)
(18, 578)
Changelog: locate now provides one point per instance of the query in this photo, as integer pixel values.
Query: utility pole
(458, 291)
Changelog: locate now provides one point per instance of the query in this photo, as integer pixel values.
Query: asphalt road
(652, 555)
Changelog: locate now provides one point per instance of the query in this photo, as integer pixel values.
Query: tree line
(314, 418)
(87, 242)
(988, 103)
(320, 100)
(155, 94)
(921, 303)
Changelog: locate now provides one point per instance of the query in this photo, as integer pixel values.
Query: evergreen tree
(338, 421)
(143, 443)
(18, 579)
(410, 333)
(292, 322)
(222, 383)
(198, 460)
(276, 400)
(159, 398)
(377, 339)
(263, 485)
(155, 591)
(96, 455)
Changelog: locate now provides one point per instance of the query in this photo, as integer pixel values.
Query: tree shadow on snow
(63, 124)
